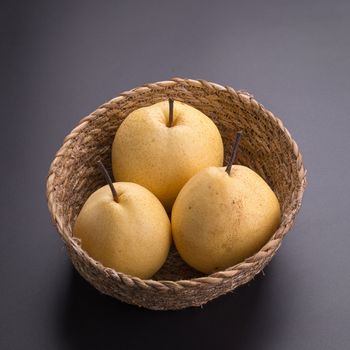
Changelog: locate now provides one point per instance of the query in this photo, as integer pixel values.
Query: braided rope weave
(267, 148)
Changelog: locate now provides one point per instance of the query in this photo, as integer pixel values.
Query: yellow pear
(162, 146)
(222, 216)
(125, 227)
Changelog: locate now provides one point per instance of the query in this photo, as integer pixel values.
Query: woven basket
(267, 148)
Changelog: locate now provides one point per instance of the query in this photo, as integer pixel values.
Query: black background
(61, 59)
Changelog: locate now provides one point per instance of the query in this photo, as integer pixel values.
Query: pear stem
(234, 152)
(171, 112)
(108, 179)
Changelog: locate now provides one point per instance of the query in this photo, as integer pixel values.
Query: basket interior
(264, 148)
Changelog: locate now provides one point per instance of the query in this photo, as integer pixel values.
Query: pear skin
(163, 156)
(220, 219)
(132, 235)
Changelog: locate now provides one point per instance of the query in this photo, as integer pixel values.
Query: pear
(125, 227)
(163, 145)
(223, 215)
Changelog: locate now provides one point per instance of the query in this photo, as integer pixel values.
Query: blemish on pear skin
(226, 246)
(189, 208)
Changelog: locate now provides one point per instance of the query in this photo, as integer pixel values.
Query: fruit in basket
(163, 145)
(223, 215)
(125, 227)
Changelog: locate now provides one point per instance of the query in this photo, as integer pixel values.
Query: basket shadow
(92, 320)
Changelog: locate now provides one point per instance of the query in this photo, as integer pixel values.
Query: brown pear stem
(234, 152)
(171, 112)
(104, 172)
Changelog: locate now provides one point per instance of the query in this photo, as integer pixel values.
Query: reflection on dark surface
(90, 319)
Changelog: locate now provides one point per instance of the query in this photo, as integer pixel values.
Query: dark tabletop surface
(61, 59)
